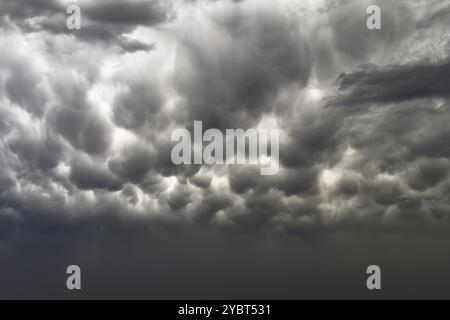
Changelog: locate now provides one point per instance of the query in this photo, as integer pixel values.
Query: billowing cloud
(86, 118)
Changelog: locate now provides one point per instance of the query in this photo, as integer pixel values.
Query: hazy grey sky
(86, 176)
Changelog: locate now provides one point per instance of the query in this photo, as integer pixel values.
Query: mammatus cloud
(86, 118)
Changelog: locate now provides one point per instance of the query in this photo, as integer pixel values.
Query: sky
(86, 175)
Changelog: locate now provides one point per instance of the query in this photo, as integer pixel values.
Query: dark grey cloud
(22, 85)
(428, 174)
(394, 83)
(87, 176)
(85, 169)
(243, 78)
(37, 152)
(22, 9)
(107, 21)
(135, 163)
(137, 105)
(146, 12)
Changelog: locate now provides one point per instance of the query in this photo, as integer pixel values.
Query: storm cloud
(86, 118)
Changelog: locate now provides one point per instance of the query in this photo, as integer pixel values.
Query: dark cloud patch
(143, 12)
(296, 181)
(84, 130)
(24, 90)
(36, 152)
(385, 193)
(439, 12)
(95, 32)
(107, 21)
(314, 137)
(21, 84)
(137, 105)
(179, 198)
(202, 180)
(214, 202)
(394, 84)
(22, 9)
(87, 176)
(260, 209)
(132, 45)
(428, 173)
(136, 161)
(347, 187)
(262, 55)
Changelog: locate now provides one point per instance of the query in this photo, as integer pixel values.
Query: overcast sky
(86, 177)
